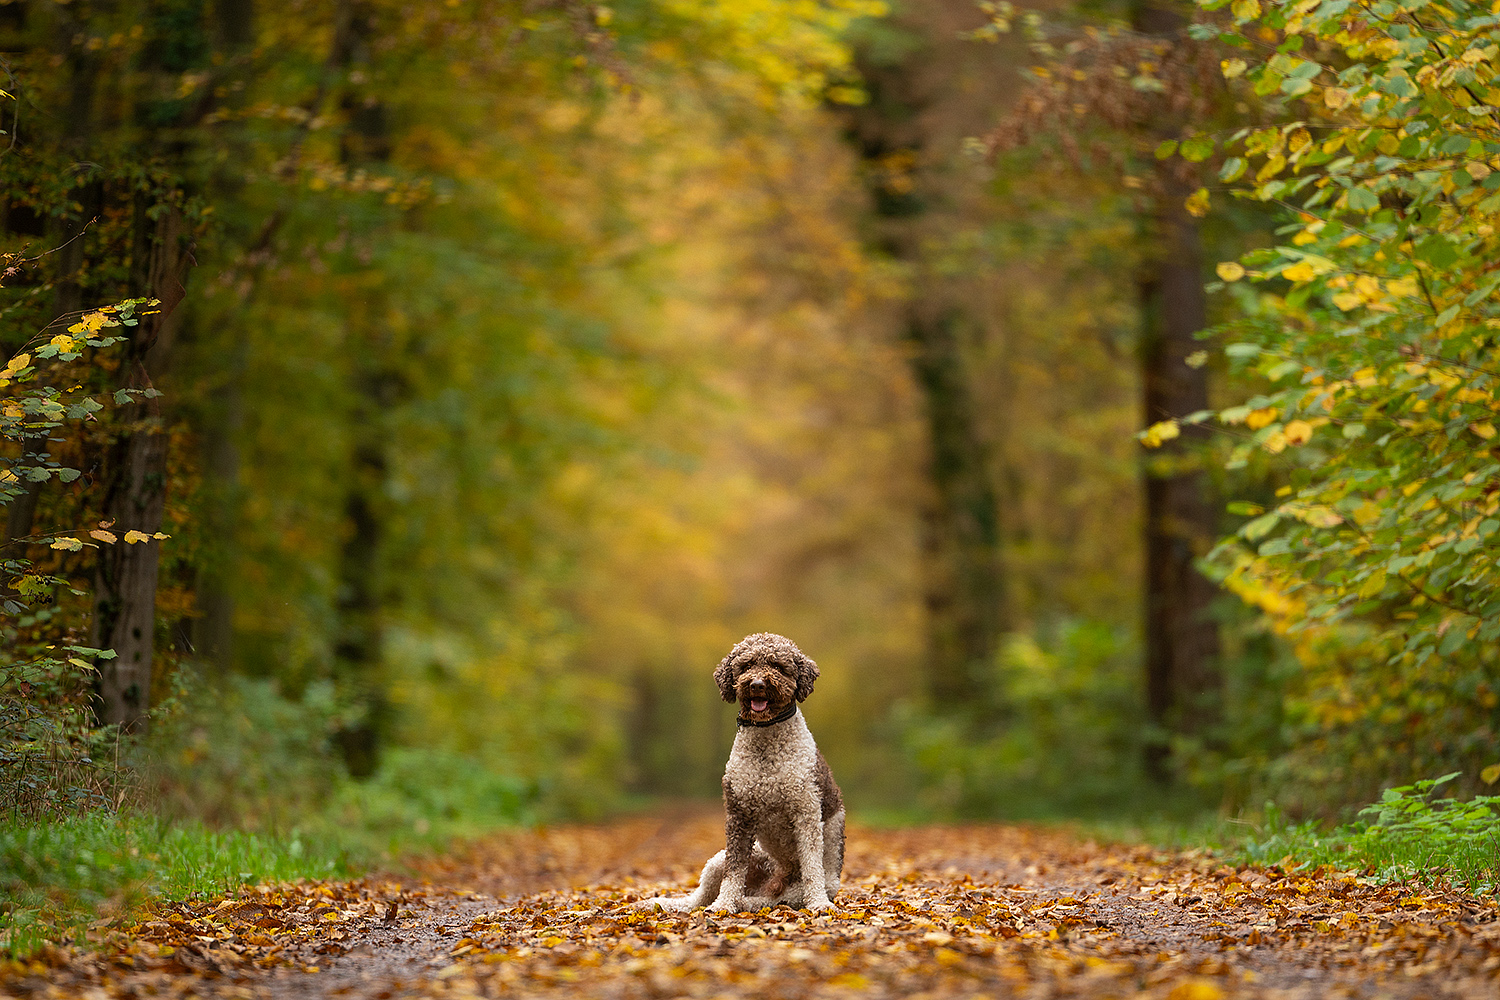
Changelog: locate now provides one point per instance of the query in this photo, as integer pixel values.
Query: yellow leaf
(1485, 430)
(67, 544)
(1197, 989)
(1260, 418)
(1230, 270)
(1490, 775)
(1335, 97)
(1300, 271)
(18, 362)
(131, 537)
(1303, 238)
(104, 536)
(1246, 10)
(1158, 433)
(1298, 432)
(161, 534)
(1232, 68)
(1276, 442)
(1273, 166)
(1299, 140)
(1402, 288)
(1347, 301)
(1374, 585)
(1197, 203)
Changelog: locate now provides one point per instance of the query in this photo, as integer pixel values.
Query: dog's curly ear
(724, 676)
(807, 673)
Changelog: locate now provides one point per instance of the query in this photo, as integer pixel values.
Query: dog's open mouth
(758, 704)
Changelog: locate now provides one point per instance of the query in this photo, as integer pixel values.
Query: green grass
(56, 877)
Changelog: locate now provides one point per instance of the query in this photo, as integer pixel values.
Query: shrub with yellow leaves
(1373, 322)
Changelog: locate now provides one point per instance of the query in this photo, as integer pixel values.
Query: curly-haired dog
(783, 814)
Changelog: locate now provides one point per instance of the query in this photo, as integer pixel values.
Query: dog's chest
(774, 766)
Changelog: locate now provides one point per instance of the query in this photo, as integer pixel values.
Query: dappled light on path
(936, 912)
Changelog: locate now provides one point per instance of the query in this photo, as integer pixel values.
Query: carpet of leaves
(934, 912)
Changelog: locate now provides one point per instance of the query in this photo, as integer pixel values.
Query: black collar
(791, 710)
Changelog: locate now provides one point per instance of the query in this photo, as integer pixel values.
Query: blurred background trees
(516, 358)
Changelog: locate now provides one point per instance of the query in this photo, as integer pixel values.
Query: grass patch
(1408, 834)
(57, 876)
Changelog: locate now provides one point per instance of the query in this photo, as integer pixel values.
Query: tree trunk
(1182, 642)
(135, 491)
(962, 538)
(923, 102)
(1183, 684)
(359, 648)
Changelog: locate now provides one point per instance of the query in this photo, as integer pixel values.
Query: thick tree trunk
(910, 134)
(962, 540)
(359, 648)
(135, 492)
(1182, 642)
(1183, 684)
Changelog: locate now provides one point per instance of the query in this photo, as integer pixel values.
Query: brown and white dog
(783, 814)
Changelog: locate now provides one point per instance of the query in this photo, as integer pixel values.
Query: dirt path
(931, 912)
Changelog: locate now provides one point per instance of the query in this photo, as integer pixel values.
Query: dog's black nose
(757, 686)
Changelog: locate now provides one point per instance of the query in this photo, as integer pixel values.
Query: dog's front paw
(818, 902)
(726, 904)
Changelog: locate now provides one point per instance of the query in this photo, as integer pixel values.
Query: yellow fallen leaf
(1196, 989)
(1490, 775)
(1485, 430)
(1230, 270)
(1298, 432)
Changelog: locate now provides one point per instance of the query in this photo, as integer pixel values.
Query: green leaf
(1232, 170)
(1197, 149)
(1260, 527)
(1166, 149)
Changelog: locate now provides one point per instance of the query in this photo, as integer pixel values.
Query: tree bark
(962, 539)
(135, 492)
(922, 104)
(359, 648)
(1183, 683)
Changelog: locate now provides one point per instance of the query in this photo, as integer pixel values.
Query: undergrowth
(1408, 834)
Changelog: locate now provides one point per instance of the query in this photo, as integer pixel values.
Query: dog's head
(765, 673)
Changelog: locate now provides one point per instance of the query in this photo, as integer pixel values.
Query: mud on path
(933, 912)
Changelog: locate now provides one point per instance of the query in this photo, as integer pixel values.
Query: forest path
(933, 912)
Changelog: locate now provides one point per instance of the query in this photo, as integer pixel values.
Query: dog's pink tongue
(757, 704)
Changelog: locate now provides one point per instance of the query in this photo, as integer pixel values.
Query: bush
(1072, 738)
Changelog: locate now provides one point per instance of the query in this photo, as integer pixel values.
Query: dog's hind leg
(707, 891)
